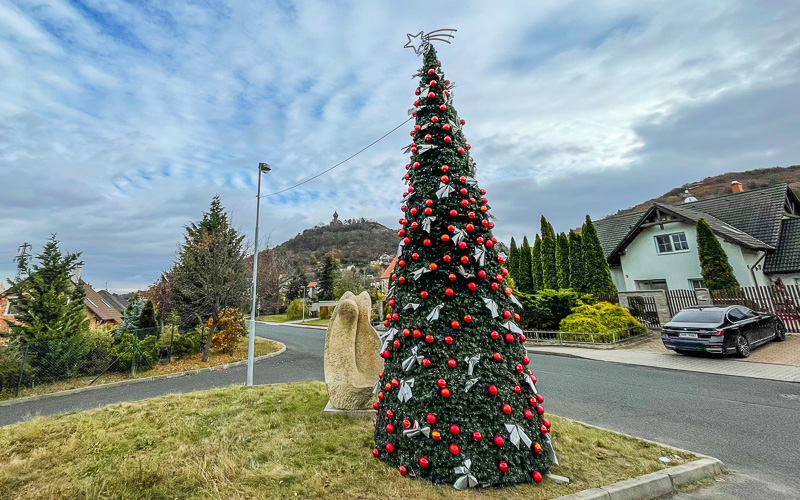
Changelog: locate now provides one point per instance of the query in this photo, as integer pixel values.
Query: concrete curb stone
(28, 399)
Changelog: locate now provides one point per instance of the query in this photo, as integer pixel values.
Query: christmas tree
(457, 402)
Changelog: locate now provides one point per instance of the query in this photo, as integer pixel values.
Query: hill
(353, 241)
(719, 185)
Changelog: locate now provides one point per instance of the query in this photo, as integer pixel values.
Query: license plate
(687, 335)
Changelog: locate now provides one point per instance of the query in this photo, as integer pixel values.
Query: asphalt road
(752, 425)
(301, 361)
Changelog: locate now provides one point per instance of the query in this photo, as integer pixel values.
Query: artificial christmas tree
(457, 402)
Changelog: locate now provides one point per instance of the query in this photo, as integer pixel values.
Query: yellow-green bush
(600, 318)
(295, 309)
(325, 312)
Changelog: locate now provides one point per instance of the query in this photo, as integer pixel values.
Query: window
(671, 243)
(12, 306)
(735, 314)
(695, 283)
(651, 285)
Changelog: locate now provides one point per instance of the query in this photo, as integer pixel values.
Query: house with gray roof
(759, 230)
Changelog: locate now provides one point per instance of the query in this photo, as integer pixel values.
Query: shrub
(295, 309)
(231, 327)
(187, 344)
(98, 344)
(146, 355)
(547, 308)
(10, 361)
(602, 318)
(325, 312)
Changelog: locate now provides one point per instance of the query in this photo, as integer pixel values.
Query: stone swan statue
(352, 354)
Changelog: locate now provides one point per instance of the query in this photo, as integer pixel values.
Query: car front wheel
(742, 346)
(779, 330)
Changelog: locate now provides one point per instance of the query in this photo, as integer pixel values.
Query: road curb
(296, 325)
(29, 399)
(655, 484)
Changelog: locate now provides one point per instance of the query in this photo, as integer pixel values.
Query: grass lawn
(274, 318)
(318, 322)
(262, 442)
(263, 347)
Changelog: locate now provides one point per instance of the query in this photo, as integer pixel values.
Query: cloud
(120, 121)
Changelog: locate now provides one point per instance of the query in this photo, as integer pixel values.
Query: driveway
(301, 361)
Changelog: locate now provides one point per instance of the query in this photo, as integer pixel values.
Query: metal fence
(782, 300)
(643, 308)
(613, 337)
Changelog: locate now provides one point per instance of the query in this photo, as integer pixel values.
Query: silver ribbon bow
(416, 430)
(471, 165)
(529, 381)
(390, 293)
(426, 224)
(515, 301)
(387, 337)
(480, 255)
(376, 386)
(466, 274)
(550, 450)
(411, 305)
(492, 305)
(472, 181)
(434, 314)
(472, 361)
(518, 435)
(465, 479)
(455, 125)
(424, 148)
(444, 190)
(419, 272)
(400, 248)
(458, 236)
(512, 327)
(470, 383)
(411, 111)
(404, 392)
(409, 362)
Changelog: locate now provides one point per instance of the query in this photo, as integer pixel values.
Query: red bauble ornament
(396, 344)
(443, 107)
(463, 121)
(395, 382)
(452, 277)
(401, 279)
(460, 150)
(477, 436)
(401, 263)
(454, 429)
(417, 334)
(455, 324)
(537, 448)
(436, 435)
(406, 240)
(428, 137)
(540, 398)
(433, 266)
(547, 423)
(401, 232)
(389, 447)
(509, 337)
(448, 339)
(423, 462)
(389, 428)
(480, 240)
(431, 95)
(432, 83)
(447, 258)
(423, 294)
(495, 335)
(519, 367)
(503, 466)
(462, 245)
(495, 286)
(464, 259)
(454, 449)
(430, 418)
(464, 203)
(472, 286)
(537, 477)
(540, 410)
(507, 409)
(417, 91)
(507, 314)
(499, 441)
(518, 389)
(449, 292)
(415, 256)
(453, 213)
(426, 362)
(516, 317)
(406, 423)
(428, 211)
(526, 360)
(451, 363)
(434, 118)
(470, 227)
(496, 356)
(395, 316)
(385, 354)
(444, 168)
(451, 228)
(528, 414)
(375, 452)
(444, 178)
(426, 242)
(380, 395)
(375, 405)
(429, 338)
(445, 392)
(402, 470)
(467, 318)
(441, 382)
(493, 389)
(447, 138)
(431, 71)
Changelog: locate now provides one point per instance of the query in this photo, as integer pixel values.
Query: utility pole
(263, 168)
(22, 260)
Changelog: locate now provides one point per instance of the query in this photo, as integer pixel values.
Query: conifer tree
(562, 261)
(132, 315)
(536, 263)
(512, 264)
(597, 276)
(524, 271)
(717, 272)
(147, 319)
(576, 277)
(298, 282)
(326, 277)
(548, 256)
(457, 403)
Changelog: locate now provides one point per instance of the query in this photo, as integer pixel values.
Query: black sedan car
(721, 330)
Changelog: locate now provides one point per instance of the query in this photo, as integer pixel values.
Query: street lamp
(263, 168)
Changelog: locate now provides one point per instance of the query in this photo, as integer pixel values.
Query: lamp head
(264, 168)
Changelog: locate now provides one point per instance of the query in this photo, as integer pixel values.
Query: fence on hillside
(783, 300)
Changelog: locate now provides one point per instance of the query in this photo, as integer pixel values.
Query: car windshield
(698, 316)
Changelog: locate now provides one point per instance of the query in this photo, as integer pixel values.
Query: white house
(759, 230)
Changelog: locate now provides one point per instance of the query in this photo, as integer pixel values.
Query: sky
(120, 120)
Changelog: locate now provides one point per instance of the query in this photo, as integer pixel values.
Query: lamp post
(263, 168)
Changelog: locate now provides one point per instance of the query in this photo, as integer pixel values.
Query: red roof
(386, 274)
(312, 284)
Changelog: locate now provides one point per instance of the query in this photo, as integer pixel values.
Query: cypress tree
(147, 319)
(512, 264)
(597, 276)
(437, 415)
(548, 257)
(525, 281)
(536, 263)
(717, 272)
(562, 261)
(576, 277)
(326, 277)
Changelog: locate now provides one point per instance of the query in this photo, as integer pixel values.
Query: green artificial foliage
(597, 276)
(717, 272)
(524, 278)
(562, 261)
(428, 381)
(536, 264)
(147, 319)
(327, 273)
(50, 305)
(548, 257)
(576, 275)
(512, 264)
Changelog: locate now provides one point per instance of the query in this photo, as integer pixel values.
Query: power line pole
(22, 260)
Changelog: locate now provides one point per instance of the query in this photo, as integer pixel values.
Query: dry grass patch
(262, 442)
(193, 362)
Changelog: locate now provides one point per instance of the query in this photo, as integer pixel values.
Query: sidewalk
(672, 361)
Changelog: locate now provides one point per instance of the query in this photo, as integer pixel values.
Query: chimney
(737, 187)
(75, 275)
